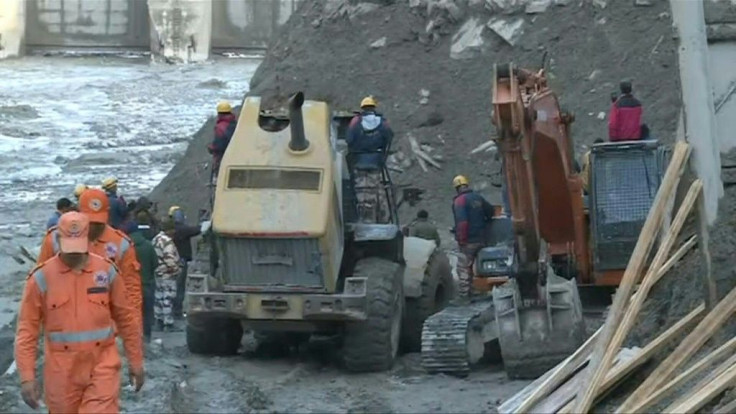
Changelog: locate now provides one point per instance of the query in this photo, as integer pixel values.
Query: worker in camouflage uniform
(421, 227)
(369, 140)
(167, 272)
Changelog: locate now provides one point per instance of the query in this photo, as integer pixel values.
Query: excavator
(557, 238)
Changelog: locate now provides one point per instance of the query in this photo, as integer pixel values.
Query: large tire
(372, 345)
(213, 336)
(437, 290)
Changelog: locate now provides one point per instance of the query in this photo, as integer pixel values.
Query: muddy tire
(437, 290)
(213, 336)
(372, 345)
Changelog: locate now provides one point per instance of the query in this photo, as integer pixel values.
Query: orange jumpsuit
(76, 312)
(114, 245)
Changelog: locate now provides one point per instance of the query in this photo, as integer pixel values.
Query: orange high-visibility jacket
(114, 245)
(76, 311)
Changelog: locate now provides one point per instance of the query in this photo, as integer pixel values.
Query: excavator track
(454, 339)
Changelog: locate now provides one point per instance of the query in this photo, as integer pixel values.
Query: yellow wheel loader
(286, 253)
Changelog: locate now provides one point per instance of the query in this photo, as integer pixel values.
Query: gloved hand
(31, 393)
(205, 226)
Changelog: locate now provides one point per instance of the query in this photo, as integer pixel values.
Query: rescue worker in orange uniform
(105, 241)
(75, 298)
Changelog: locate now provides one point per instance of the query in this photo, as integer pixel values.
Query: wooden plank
(562, 395)
(598, 363)
(615, 376)
(561, 373)
(706, 380)
(511, 404)
(729, 408)
(554, 377)
(723, 350)
(703, 395)
(652, 276)
(707, 327)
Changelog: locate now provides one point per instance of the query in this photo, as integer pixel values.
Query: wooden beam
(707, 327)
(599, 367)
(652, 276)
(562, 395)
(703, 395)
(562, 372)
(729, 408)
(512, 404)
(706, 380)
(552, 379)
(659, 343)
(723, 350)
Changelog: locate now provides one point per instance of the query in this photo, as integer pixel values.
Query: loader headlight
(494, 265)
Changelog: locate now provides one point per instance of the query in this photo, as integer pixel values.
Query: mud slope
(333, 52)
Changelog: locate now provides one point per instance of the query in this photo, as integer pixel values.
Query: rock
(509, 29)
(379, 43)
(601, 115)
(468, 40)
(562, 2)
(537, 6)
(594, 74)
(642, 2)
(424, 101)
(424, 93)
(317, 22)
(600, 3)
(434, 118)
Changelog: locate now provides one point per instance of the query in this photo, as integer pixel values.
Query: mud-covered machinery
(528, 276)
(287, 256)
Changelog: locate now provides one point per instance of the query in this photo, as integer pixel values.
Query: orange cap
(94, 204)
(73, 229)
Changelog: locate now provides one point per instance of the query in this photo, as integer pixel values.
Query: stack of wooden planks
(600, 364)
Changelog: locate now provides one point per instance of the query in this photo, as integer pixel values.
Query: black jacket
(183, 239)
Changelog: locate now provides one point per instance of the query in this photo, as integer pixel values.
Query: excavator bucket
(534, 339)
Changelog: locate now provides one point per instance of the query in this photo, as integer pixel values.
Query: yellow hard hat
(224, 107)
(79, 189)
(173, 209)
(368, 101)
(109, 183)
(460, 180)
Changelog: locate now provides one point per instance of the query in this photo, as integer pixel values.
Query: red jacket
(624, 119)
(224, 128)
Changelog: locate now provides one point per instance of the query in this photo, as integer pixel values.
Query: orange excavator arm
(545, 190)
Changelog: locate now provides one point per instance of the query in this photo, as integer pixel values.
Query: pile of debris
(601, 363)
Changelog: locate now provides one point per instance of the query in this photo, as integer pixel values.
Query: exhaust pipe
(296, 123)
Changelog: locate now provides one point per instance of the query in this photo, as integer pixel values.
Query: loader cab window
(274, 179)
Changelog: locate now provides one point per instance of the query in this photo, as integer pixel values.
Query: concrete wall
(12, 27)
(248, 22)
(132, 24)
(87, 23)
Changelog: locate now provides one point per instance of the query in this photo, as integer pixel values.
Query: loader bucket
(534, 339)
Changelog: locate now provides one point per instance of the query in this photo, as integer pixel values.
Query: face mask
(73, 260)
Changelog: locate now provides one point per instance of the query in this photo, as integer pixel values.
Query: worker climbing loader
(287, 255)
(527, 277)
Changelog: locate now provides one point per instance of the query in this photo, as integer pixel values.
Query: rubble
(379, 43)
(509, 29)
(468, 40)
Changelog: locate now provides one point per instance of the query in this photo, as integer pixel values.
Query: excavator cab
(625, 177)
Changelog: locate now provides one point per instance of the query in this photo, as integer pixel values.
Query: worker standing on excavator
(472, 214)
(624, 118)
(224, 129)
(369, 139)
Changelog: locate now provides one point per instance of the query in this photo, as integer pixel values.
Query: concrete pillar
(697, 97)
(181, 30)
(12, 28)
